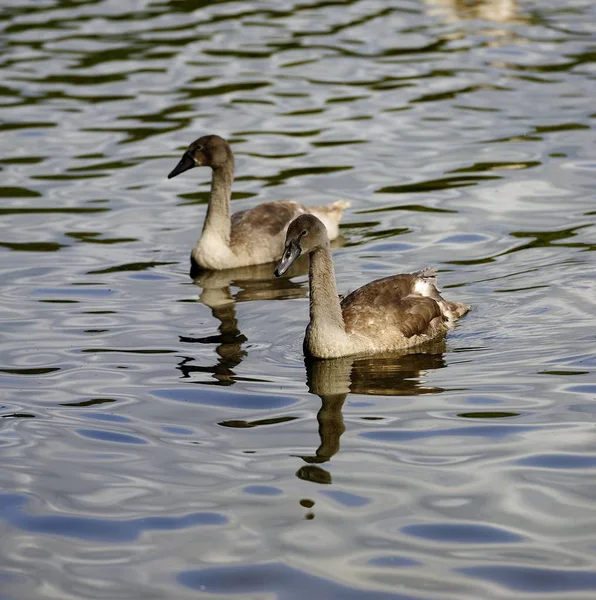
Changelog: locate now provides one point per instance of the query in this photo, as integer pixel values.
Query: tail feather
(330, 215)
(426, 285)
(428, 272)
(459, 309)
(337, 207)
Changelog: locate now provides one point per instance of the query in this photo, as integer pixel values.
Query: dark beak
(186, 162)
(291, 253)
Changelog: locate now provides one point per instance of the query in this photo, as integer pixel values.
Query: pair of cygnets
(386, 315)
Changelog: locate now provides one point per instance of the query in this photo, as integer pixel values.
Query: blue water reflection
(126, 530)
(162, 437)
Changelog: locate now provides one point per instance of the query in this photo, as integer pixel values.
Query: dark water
(164, 439)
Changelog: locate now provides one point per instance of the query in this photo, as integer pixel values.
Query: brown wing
(389, 306)
(270, 218)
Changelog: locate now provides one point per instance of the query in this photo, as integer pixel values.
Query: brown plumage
(271, 218)
(373, 307)
(385, 315)
(249, 237)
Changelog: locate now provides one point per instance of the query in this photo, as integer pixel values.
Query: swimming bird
(390, 314)
(249, 237)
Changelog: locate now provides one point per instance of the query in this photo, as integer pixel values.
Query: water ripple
(274, 578)
(160, 433)
(97, 529)
(536, 581)
(461, 533)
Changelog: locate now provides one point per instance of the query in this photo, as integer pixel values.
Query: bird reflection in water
(249, 283)
(332, 380)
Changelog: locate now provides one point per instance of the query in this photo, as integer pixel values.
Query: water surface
(164, 438)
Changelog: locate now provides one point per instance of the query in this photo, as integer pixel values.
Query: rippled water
(164, 439)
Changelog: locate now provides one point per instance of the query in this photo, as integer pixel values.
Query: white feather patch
(425, 287)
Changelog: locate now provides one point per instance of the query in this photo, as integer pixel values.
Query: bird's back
(267, 220)
(398, 311)
(258, 234)
(389, 307)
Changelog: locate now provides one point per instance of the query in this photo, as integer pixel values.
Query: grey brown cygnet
(248, 237)
(385, 315)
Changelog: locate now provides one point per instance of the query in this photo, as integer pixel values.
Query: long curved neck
(217, 221)
(325, 309)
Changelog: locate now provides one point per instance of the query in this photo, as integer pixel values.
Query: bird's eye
(303, 233)
(199, 147)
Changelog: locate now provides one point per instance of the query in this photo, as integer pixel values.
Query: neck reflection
(221, 291)
(332, 380)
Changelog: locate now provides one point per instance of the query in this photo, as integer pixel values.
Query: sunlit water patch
(163, 437)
